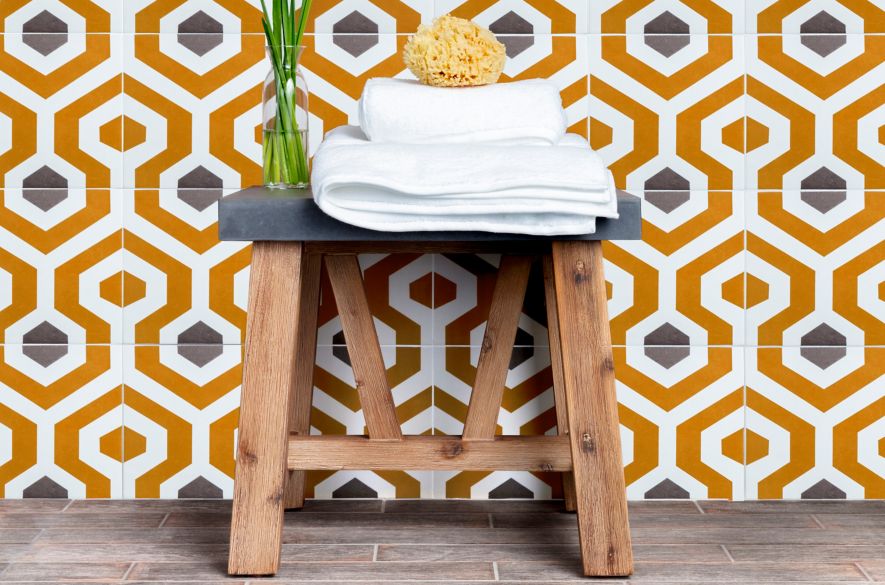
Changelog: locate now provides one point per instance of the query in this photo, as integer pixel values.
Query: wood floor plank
(321, 571)
(768, 535)
(472, 506)
(82, 520)
(56, 572)
(133, 535)
(427, 535)
(18, 536)
(696, 572)
(793, 506)
(853, 521)
(33, 505)
(756, 553)
(182, 552)
(668, 521)
(336, 519)
(150, 505)
(541, 552)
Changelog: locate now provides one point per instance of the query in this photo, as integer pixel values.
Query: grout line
(37, 536)
(491, 521)
(383, 504)
(374, 553)
(495, 570)
(728, 554)
(863, 571)
(68, 505)
(817, 521)
(129, 570)
(163, 521)
(698, 506)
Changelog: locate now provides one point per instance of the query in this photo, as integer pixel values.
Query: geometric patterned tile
(54, 419)
(79, 16)
(809, 268)
(509, 17)
(667, 111)
(815, 111)
(664, 17)
(823, 426)
(58, 268)
(824, 17)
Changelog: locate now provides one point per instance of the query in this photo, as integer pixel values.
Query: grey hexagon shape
(45, 32)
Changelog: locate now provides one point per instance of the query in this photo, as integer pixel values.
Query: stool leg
(559, 400)
(302, 385)
(588, 371)
(259, 488)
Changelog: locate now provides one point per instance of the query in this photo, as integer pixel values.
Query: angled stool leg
(302, 384)
(588, 371)
(568, 478)
(259, 488)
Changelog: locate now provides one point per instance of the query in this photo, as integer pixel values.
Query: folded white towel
(540, 190)
(522, 112)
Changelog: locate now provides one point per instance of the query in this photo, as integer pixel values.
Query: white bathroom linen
(537, 190)
(520, 112)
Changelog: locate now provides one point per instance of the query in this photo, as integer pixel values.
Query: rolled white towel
(521, 112)
(540, 190)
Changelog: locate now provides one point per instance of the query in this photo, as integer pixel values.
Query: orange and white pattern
(749, 323)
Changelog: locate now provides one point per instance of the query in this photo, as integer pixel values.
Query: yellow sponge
(454, 52)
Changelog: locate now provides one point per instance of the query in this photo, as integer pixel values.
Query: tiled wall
(748, 322)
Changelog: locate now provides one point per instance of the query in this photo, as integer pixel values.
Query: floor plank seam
(68, 505)
(163, 521)
(129, 570)
(817, 521)
(697, 505)
(863, 572)
(491, 521)
(495, 571)
(727, 553)
(375, 553)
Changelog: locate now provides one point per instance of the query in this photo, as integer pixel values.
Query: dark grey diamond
(667, 201)
(510, 489)
(667, 334)
(667, 356)
(823, 178)
(339, 349)
(199, 199)
(512, 24)
(667, 45)
(824, 201)
(354, 489)
(822, 23)
(45, 333)
(667, 34)
(44, 488)
(45, 22)
(45, 33)
(200, 43)
(200, 333)
(200, 178)
(201, 488)
(45, 178)
(354, 44)
(355, 22)
(667, 179)
(45, 199)
(666, 23)
(515, 32)
(667, 490)
(823, 490)
(200, 22)
(823, 357)
(45, 355)
(823, 334)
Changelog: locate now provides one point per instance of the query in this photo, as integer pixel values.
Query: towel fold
(539, 190)
(521, 112)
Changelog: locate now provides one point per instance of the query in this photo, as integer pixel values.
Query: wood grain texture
(497, 348)
(305, 357)
(588, 370)
(559, 399)
(268, 369)
(529, 453)
(369, 372)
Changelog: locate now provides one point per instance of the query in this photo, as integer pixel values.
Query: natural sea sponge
(454, 52)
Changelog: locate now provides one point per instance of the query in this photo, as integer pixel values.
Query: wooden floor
(455, 541)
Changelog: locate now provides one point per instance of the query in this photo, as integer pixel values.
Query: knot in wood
(580, 272)
(588, 445)
(454, 449)
(608, 364)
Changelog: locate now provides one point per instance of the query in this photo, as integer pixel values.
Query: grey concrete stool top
(262, 214)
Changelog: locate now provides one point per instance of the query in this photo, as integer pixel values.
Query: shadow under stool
(292, 239)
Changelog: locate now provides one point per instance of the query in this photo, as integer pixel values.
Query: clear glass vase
(286, 161)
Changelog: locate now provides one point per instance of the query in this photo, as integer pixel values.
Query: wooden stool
(292, 238)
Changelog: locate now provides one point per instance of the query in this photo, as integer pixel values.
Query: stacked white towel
(506, 170)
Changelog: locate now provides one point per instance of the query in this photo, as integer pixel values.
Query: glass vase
(286, 160)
